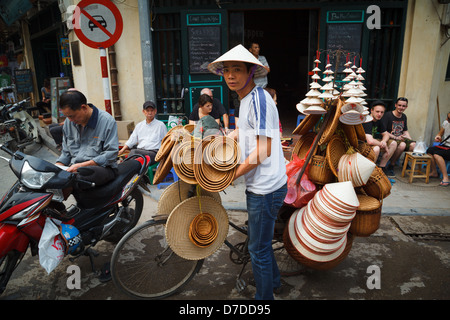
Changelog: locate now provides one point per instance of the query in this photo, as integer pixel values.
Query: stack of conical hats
(315, 234)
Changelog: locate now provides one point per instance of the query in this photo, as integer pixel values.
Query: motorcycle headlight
(34, 179)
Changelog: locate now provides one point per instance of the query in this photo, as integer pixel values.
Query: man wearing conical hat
(264, 167)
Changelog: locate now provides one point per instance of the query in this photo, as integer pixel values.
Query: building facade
(166, 44)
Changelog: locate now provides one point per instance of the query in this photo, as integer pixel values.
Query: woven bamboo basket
(378, 185)
(366, 150)
(320, 171)
(350, 134)
(335, 150)
(303, 145)
(332, 124)
(360, 133)
(367, 218)
(297, 256)
(307, 124)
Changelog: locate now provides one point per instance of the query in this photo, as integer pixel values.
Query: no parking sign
(97, 23)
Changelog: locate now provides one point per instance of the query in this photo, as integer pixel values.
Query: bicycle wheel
(143, 266)
(286, 264)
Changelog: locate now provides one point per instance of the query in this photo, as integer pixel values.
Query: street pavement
(407, 258)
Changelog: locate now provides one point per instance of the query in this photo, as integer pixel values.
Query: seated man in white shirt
(146, 137)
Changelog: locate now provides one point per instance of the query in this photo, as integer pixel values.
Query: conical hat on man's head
(238, 53)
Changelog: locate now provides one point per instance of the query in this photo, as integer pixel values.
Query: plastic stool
(414, 160)
(151, 171)
(168, 179)
(300, 117)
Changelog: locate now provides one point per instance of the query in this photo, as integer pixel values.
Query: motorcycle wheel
(132, 206)
(7, 265)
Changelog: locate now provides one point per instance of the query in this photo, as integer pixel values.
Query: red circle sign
(97, 23)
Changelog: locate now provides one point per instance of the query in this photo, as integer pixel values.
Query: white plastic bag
(51, 246)
(174, 121)
(420, 147)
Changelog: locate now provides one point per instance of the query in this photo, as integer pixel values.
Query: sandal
(444, 183)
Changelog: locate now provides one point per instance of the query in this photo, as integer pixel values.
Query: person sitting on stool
(147, 135)
(441, 153)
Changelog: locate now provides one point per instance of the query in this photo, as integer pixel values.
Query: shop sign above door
(97, 23)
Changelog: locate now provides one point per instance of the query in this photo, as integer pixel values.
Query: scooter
(100, 213)
(19, 125)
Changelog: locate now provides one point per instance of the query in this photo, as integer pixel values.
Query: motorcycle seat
(100, 195)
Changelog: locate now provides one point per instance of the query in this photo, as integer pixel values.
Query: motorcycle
(100, 213)
(18, 128)
(6, 129)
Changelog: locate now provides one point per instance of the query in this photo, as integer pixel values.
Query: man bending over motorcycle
(90, 141)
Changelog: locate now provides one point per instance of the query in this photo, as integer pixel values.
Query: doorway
(288, 40)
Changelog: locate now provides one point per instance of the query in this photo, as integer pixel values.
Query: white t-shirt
(147, 136)
(258, 116)
(446, 126)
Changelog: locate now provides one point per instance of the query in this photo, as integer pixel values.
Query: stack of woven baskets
(210, 162)
(337, 142)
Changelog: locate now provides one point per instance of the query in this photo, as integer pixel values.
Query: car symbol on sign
(100, 20)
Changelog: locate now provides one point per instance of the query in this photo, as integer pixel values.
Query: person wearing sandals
(395, 123)
(441, 153)
(262, 164)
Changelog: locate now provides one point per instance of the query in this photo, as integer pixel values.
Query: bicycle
(143, 266)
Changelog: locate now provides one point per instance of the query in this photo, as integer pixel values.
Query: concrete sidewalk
(416, 198)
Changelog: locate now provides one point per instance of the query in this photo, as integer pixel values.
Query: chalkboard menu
(204, 47)
(24, 80)
(344, 36)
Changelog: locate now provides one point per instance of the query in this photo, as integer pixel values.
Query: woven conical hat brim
(307, 124)
(177, 227)
(183, 161)
(241, 54)
(303, 145)
(224, 149)
(203, 230)
(189, 127)
(173, 129)
(169, 140)
(223, 153)
(177, 133)
(335, 150)
(162, 170)
(332, 124)
(166, 146)
(177, 192)
(207, 177)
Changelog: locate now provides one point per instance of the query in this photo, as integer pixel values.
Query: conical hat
(238, 53)
(180, 219)
(177, 192)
